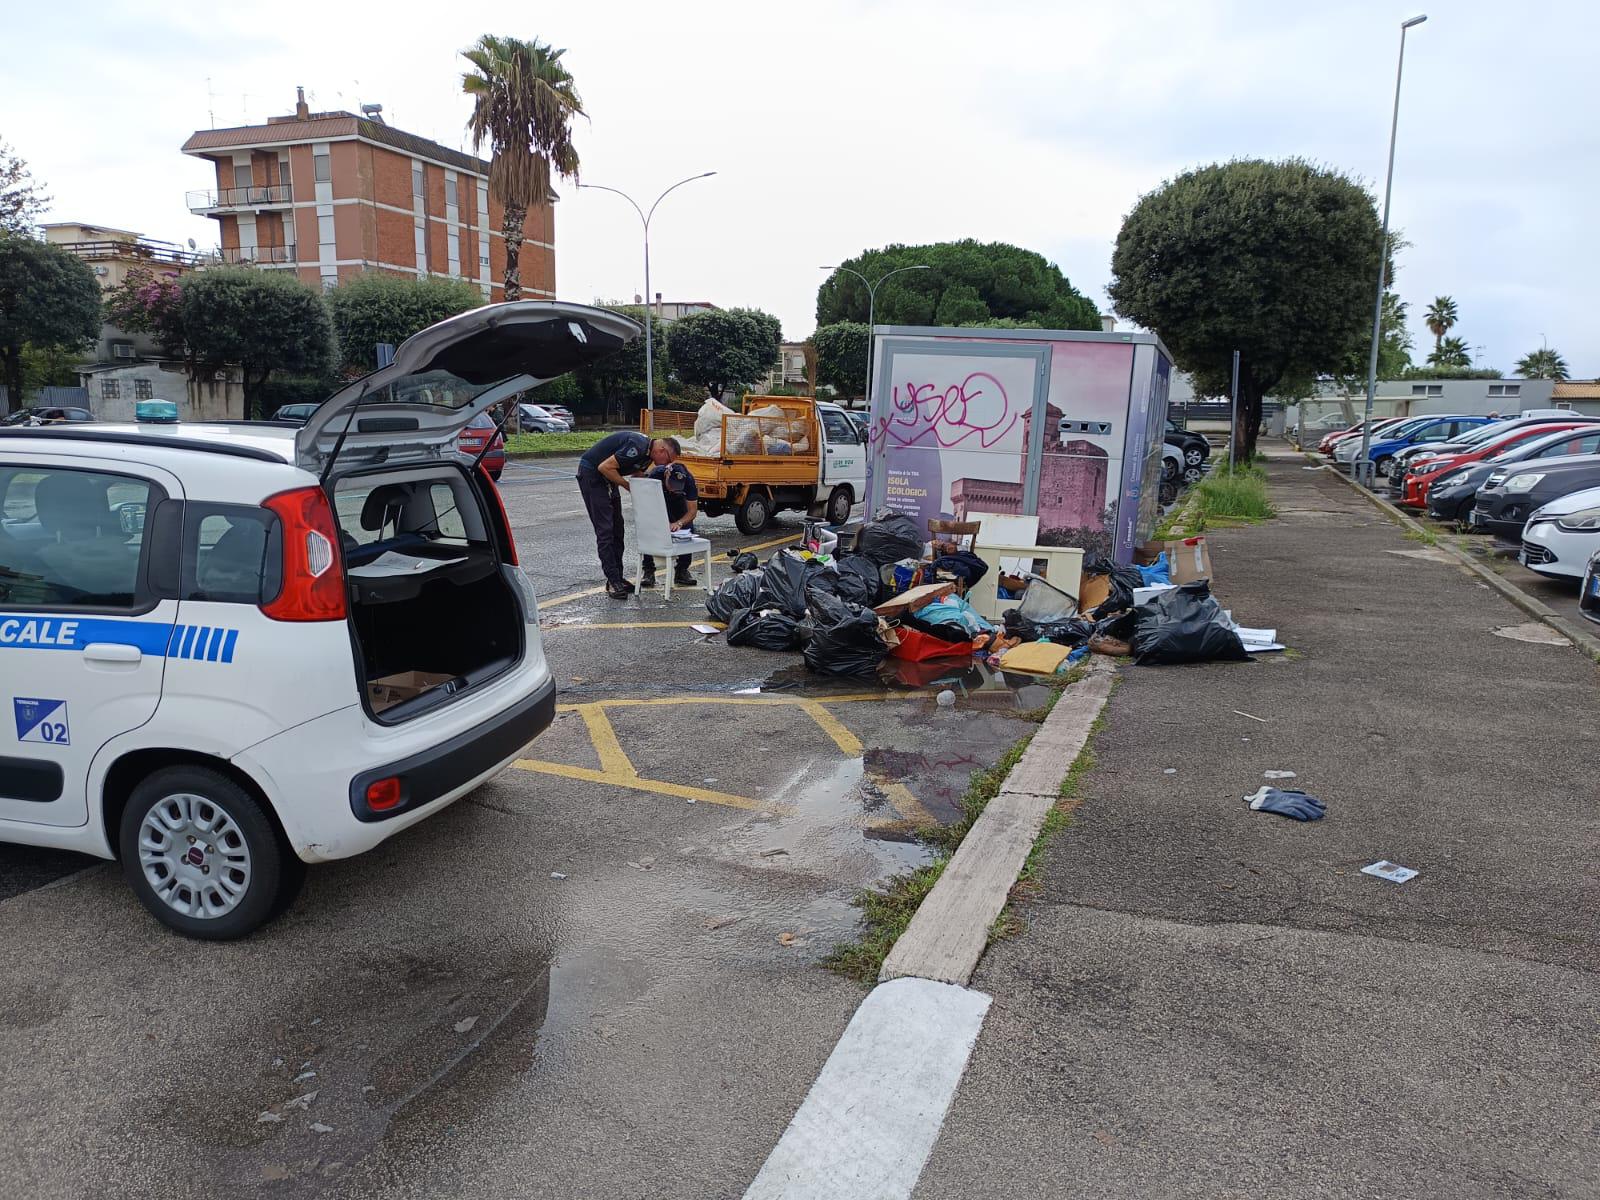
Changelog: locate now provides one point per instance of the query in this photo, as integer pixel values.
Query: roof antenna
(211, 103)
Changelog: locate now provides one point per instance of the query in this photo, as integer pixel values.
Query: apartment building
(329, 195)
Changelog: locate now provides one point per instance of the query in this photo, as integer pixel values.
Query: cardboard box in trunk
(392, 689)
(1187, 559)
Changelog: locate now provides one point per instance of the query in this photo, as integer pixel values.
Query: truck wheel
(202, 856)
(754, 513)
(839, 506)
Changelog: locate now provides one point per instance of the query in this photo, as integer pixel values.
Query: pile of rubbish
(896, 596)
(767, 430)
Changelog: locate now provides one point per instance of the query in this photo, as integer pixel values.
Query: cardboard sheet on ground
(912, 599)
(1035, 658)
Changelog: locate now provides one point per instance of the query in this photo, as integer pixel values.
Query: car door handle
(112, 652)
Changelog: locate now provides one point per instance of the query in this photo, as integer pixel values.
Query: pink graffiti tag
(976, 407)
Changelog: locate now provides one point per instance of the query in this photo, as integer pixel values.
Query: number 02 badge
(42, 721)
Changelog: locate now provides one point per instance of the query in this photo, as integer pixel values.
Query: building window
(110, 389)
(329, 282)
(142, 390)
(483, 260)
(1505, 389)
(283, 172)
(416, 180)
(241, 175)
(449, 191)
(323, 162)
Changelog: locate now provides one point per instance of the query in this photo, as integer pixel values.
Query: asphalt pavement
(596, 976)
(1210, 1001)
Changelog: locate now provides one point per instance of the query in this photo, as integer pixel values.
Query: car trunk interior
(432, 612)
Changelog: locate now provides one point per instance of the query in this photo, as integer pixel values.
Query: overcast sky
(840, 126)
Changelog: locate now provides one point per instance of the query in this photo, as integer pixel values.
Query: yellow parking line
(659, 786)
(848, 743)
(612, 760)
(634, 625)
(616, 770)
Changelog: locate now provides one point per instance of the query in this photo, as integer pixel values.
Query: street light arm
(600, 187)
(673, 188)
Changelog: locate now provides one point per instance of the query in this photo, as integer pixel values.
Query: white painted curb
(869, 1122)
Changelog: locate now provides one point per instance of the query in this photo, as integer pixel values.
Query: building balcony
(235, 199)
(142, 250)
(258, 255)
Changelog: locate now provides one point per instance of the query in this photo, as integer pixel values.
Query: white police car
(228, 650)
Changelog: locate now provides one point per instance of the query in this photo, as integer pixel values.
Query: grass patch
(885, 914)
(1236, 495)
(538, 445)
(1426, 536)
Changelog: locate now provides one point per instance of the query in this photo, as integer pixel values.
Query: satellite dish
(191, 244)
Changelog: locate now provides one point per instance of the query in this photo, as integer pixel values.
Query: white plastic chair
(652, 533)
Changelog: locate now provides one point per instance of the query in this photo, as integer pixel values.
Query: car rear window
(231, 554)
(440, 510)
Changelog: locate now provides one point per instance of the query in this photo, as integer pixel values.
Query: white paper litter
(1258, 641)
(682, 535)
(1393, 872)
(391, 563)
(708, 630)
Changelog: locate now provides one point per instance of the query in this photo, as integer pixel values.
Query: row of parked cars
(1532, 479)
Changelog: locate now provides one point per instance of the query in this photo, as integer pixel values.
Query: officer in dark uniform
(602, 476)
(683, 505)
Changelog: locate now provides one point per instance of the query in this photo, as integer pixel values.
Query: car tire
(753, 513)
(1193, 475)
(1384, 465)
(1194, 456)
(242, 880)
(840, 503)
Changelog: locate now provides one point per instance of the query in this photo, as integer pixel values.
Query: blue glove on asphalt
(1287, 803)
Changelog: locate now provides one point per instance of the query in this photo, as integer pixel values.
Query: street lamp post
(1362, 467)
(649, 338)
(872, 300)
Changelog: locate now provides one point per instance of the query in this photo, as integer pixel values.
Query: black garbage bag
(964, 565)
(784, 581)
(1123, 580)
(734, 593)
(888, 538)
(763, 628)
(844, 637)
(1182, 626)
(745, 561)
(1073, 631)
(858, 580)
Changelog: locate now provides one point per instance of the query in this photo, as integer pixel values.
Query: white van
(229, 650)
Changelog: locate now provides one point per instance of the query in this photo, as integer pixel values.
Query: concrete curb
(950, 930)
(1532, 605)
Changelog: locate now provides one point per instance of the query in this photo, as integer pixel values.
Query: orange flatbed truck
(807, 455)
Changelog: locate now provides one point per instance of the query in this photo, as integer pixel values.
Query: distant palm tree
(523, 102)
(1441, 318)
(1451, 352)
(1542, 364)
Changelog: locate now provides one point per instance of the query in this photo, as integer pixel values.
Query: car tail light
(505, 521)
(313, 580)
(384, 794)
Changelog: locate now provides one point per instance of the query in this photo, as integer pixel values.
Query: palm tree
(1542, 364)
(1451, 352)
(523, 102)
(1441, 319)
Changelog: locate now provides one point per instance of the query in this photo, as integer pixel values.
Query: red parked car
(479, 430)
(1421, 474)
